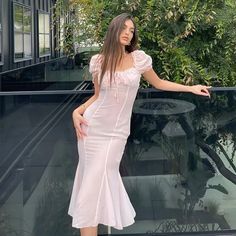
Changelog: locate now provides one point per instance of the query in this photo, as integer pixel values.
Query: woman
(102, 126)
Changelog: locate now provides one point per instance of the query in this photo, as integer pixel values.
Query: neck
(124, 51)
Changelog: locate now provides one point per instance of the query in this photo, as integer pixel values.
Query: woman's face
(127, 33)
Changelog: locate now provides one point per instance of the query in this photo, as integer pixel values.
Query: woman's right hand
(78, 120)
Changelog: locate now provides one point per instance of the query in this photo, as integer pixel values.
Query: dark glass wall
(179, 165)
(20, 35)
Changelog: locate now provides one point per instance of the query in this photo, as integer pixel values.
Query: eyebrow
(130, 27)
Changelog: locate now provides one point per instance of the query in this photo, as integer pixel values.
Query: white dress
(98, 195)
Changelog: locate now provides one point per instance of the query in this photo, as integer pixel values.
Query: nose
(127, 31)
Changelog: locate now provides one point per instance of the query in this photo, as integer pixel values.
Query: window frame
(1, 34)
(49, 34)
(22, 32)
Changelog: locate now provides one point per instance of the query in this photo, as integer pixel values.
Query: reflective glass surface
(18, 18)
(0, 31)
(0, 46)
(22, 32)
(27, 45)
(41, 44)
(46, 22)
(19, 45)
(179, 165)
(58, 74)
(27, 20)
(44, 30)
(41, 23)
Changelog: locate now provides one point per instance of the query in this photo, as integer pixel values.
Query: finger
(77, 134)
(85, 122)
(81, 132)
(205, 93)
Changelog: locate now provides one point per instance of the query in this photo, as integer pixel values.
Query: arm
(81, 109)
(78, 119)
(158, 83)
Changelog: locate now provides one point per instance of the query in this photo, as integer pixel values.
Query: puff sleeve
(142, 61)
(95, 65)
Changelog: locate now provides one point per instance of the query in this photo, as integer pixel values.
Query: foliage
(190, 41)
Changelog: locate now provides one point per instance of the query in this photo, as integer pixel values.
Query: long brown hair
(112, 52)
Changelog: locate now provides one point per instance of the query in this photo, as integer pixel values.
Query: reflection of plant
(134, 193)
(195, 187)
(171, 226)
(157, 197)
(51, 214)
(212, 207)
(5, 227)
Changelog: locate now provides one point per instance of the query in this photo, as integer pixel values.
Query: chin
(124, 43)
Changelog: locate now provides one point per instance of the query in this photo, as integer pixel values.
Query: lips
(125, 38)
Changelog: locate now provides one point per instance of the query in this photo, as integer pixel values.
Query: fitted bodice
(110, 113)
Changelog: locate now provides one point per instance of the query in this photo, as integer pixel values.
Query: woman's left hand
(200, 90)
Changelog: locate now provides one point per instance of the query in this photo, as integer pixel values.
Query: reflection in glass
(27, 45)
(41, 43)
(47, 43)
(18, 18)
(41, 23)
(47, 23)
(44, 31)
(27, 20)
(18, 45)
(22, 31)
(0, 46)
(0, 33)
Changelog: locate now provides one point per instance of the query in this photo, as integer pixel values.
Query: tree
(190, 41)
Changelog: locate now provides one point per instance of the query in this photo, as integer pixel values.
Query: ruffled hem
(109, 224)
(111, 207)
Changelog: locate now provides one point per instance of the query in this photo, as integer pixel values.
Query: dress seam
(108, 149)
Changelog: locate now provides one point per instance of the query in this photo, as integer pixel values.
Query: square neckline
(129, 68)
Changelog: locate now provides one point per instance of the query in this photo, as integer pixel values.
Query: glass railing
(179, 165)
(56, 74)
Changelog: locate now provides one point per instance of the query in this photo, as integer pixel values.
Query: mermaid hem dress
(98, 194)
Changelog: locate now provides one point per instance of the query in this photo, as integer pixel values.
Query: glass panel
(41, 44)
(47, 23)
(27, 45)
(174, 167)
(18, 17)
(41, 23)
(47, 43)
(0, 46)
(18, 40)
(27, 20)
(0, 15)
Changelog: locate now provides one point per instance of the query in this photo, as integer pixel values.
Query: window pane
(18, 18)
(41, 23)
(0, 16)
(41, 44)
(47, 23)
(27, 20)
(27, 45)
(18, 45)
(47, 44)
(0, 46)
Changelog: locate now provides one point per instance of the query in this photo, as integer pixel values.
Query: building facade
(26, 35)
